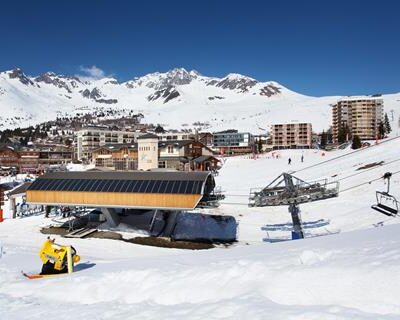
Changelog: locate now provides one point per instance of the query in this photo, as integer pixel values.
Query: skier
(302, 158)
(289, 161)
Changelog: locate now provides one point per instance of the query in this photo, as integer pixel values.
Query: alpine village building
(151, 153)
(361, 115)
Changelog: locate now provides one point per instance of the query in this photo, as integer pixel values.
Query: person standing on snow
(289, 161)
(302, 158)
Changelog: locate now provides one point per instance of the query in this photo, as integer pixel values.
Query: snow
(23, 105)
(350, 273)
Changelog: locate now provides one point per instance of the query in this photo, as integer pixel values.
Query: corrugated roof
(131, 175)
(123, 182)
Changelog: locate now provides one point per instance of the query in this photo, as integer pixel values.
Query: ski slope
(350, 211)
(346, 268)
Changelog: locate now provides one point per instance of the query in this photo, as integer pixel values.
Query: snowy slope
(349, 212)
(351, 273)
(176, 99)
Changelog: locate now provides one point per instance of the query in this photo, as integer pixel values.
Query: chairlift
(385, 202)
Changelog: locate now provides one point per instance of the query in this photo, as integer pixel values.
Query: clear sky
(313, 47)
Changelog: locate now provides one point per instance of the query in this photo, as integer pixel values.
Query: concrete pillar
(112, 216)
(171, 221)
(13, 208)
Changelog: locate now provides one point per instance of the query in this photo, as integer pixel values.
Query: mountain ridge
(178, 98)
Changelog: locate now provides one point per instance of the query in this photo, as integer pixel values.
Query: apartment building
(168, 136)
(89, 139)
(362, 116)
(33, 159)
(233, 142)
(291, 136)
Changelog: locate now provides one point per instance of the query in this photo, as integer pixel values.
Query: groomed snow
(351, 273)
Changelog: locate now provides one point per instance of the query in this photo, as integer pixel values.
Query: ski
(40, 276)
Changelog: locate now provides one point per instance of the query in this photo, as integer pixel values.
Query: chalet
(183, 155)
(34, 160)
(116, 156)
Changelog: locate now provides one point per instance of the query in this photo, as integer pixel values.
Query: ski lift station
(161, 193)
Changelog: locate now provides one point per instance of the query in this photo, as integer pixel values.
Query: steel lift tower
(289, 190)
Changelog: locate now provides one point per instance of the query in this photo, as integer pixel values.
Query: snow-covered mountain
(176, 99)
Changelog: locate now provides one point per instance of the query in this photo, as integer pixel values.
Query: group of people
(290, 159)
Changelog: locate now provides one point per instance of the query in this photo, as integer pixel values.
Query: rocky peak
(20, 75)
(160, 81)
(234, 81)
(165, 94)
(60, 81)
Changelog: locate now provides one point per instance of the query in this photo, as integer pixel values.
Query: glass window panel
(57, 185)
(50, 183)
(150, 186)
(37, 184)
(168, 187)
(171, 186)
(189, 187)
(96, 186)
(143, 186)
(113, 185)
(45, 184)
(88, 186)
(102, 187)
(74, 185)
(175, 186)
(182, 187)
(61, 186)
(161, 187)
(69, 185)
(77, 184)
(199, 185)
(119, 185)
(135, 186)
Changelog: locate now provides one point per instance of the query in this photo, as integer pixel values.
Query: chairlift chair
(385, 202)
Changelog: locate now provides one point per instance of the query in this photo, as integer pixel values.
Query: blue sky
(313, 47)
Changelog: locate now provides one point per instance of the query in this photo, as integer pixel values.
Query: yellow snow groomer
(57, 258)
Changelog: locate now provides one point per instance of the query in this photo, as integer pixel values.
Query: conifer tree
(388, 129)
(356, 142)
(381, 130)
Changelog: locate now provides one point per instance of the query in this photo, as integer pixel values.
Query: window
(170, 149)
(161, 164)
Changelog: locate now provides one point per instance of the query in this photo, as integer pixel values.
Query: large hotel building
(291, 135)
(362, 115)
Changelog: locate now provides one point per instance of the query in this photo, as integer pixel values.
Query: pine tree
(324, 139)
(381, 130)
(259, 146)
(388, 129)
(356, 142)
(342, 134)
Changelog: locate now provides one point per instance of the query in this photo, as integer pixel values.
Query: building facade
(34, 160)
(233, 142)
(90, 139)
(119, 157)
(148, 152)
(184, 155)
(361, 115)
(169, 136)
(291, 136)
